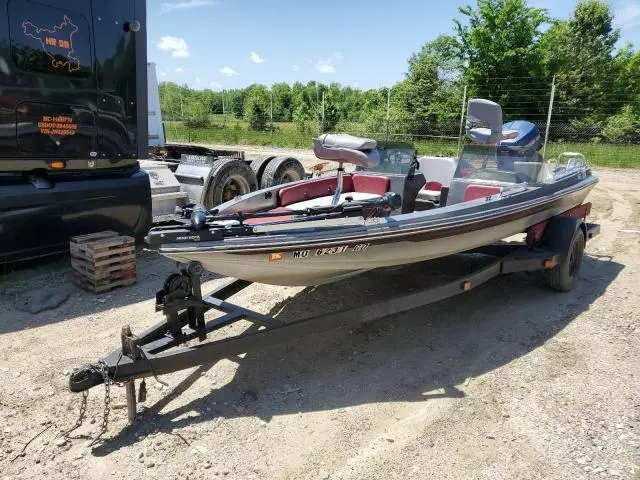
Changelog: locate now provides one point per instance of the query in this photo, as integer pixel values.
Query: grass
(236, 132)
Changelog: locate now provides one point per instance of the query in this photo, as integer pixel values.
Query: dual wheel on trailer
(231, 177)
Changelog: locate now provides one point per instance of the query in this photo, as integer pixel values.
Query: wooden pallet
(102, 261)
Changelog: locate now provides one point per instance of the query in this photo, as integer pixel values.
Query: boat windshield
(490, 162)
(395, 157)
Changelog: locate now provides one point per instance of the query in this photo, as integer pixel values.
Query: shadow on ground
(411, 357)
(54, 273)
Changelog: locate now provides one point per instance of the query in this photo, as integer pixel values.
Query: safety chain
(103, 370)
(83, 411)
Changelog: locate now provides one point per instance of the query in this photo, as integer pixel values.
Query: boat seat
(466, 190)
(375, 184)
(346, 149)
(474, 192)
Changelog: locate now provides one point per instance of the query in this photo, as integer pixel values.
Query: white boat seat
(343, 140)
(345, 148)
(326, 201)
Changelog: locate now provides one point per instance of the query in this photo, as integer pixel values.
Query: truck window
(47, 39)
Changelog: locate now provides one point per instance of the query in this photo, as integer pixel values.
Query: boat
(325, 229)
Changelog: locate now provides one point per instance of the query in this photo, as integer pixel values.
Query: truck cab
(73, 122)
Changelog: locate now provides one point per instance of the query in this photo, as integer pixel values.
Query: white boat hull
(314, 266)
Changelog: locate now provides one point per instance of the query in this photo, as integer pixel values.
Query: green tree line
(504, 50)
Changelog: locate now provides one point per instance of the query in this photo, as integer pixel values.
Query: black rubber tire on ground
(259, 164)
(564, 276)
(229, 178)
(282, 170)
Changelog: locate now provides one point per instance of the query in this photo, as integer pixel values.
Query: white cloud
(295, 68)
(215, 85)
(627, 15)
(325, 66)
(163, 74)
(179, 70)
(228, 71)
(198, 80)
(338, 55)
(255, 58)
(177, 46)
(171, 6)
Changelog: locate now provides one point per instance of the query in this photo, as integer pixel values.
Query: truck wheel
(563, 276)
(282, 170)
(229, 179)
(259, 164)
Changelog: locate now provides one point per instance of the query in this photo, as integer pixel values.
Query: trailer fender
(559, 234)
(565, 236)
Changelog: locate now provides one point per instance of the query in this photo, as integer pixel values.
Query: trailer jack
(169, 345)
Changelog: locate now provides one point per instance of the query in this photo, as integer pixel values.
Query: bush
(624, 127)
(197, 122)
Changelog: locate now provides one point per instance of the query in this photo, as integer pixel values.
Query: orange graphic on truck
(56, 42)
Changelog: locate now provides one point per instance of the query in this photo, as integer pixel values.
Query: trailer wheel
(229, 179)
(563, 276)
(259, 164)
(282, 170)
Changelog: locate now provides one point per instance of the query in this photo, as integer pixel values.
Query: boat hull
(318, 263)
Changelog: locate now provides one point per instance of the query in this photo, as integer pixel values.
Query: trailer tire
(259, 164)
(564, 275)
(282, 170)
(229, 179)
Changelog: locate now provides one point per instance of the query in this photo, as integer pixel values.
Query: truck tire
(563, 276)
(282, 170)
(229, 179)
(259, 164)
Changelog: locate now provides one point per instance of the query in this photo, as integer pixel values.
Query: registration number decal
(321, 252)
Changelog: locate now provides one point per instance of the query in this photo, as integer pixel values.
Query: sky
(223, 44)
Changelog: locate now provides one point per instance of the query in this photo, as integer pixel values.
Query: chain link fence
(605, 129)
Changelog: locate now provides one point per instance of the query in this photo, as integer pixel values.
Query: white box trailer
(182, 174)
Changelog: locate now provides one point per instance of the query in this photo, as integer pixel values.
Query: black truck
(73, 122)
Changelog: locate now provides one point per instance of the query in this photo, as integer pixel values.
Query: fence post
(464, 104)
(322, 121)
(388, 111)
(546, 133)
(271, 108)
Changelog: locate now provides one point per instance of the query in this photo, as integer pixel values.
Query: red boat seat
(433, 186)
(313, 189)
(473, 192)
(375, 184)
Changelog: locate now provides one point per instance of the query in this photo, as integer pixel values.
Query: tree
(256, 107)
(579, 52)
(498, 44)
(236, 99)
(282, 102)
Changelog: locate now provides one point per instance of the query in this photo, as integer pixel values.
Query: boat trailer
(163, 348)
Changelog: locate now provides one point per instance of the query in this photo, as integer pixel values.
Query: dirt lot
(508, 381)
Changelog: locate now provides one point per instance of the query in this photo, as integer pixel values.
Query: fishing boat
(321, 230)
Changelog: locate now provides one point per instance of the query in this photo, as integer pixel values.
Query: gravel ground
(508, 381)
